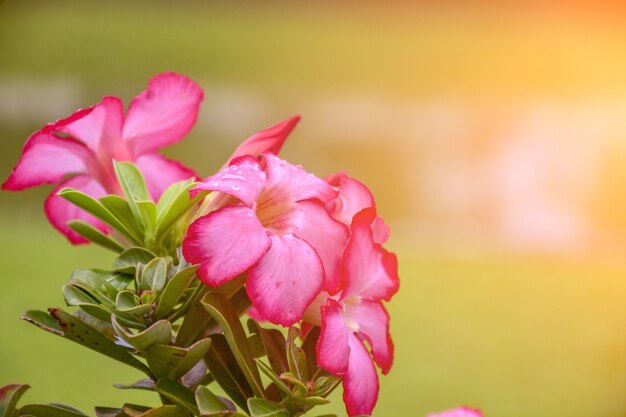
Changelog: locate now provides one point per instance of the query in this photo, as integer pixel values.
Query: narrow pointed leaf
(226, 371)
(269, 372)
(122, 212)
(94, 207)
(64, 324)
(275, 347)
(143, 384)
(148, 212)
(9, 397)
(295, 356)
(166, 411)
(175, 204)
(50, 410)
(223, 311)
(309, 349)
(74, 296)
(94, 235)
(133, 185)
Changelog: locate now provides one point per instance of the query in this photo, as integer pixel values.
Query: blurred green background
(491, 133)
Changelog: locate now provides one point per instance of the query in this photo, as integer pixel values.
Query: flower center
(276, 212)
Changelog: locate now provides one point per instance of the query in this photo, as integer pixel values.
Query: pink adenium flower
(278, 231)
(356, 314)
(84, 145)
(459, 412)
(267, 140)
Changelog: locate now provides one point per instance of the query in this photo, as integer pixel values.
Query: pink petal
(354, 196)
(267, 140)
(225, 243)
(243, 179)
(373, 323)
(459, 412)
(161, 172)
(163, 113)
(360, 384)
(370, 271)
(381, 230)
(327, 236)
(46, 159)
(333, 350)
(59, 211)
(100, 125)
(295, 183)
(285, 281)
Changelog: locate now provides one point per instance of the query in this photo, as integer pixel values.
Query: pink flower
(84, 145)
(459, 412)
(267, 140)
(356, 315)
(278, 231)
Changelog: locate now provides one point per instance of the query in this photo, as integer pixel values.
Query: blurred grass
(517, 336)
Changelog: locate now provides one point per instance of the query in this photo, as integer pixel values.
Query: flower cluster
(308, 251)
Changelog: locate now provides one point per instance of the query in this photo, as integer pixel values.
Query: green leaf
(63, 324)
(94, 207)
(295, 356)
(260, 407)
(9, 397)
(96, 311)
(134, 410)
(96, 284)
(110, 412)
(94, 235)
(275, 347)
(50, 410)
(128, 302)
(178, 394)
(154, 275)
(43, 320)
(269, 372)
(174, 203)
(74, 296)
(174, 362)
(309, 349)
(226, 371)
(301, 388)
(128, 260)
(166, 411)
(326, 384)
(133, 185)
(120, 280)
(225, 314)
(208, 402)
(174, 289)
(148, 211)
(159, 333)
(143, 385)
(122, 212)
